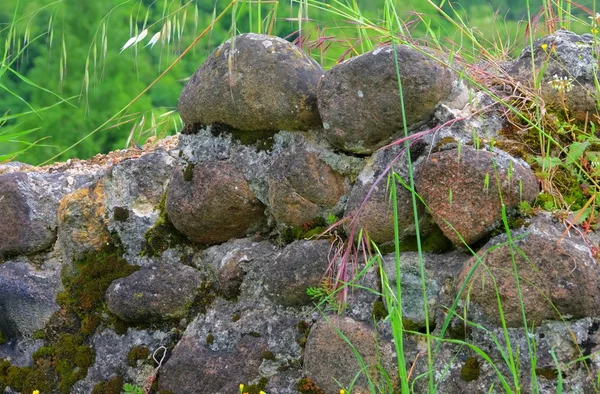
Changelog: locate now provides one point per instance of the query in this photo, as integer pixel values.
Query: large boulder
(252, 83)
(557, 275)
(302, 187)
(211, 203)
(301, 265)
(359, 101)
(461, 190)
(154, 294)
(569, 66)
(329, 359)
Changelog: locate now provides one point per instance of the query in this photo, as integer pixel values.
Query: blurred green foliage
(72, 48)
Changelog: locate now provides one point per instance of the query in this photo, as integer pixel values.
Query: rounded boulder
(359, 101)
(211, 203)
(252, 83)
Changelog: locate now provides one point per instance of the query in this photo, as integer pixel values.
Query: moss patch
(163, 235)
(2, 338)
(113, 386)
(379, 312)
(548, 373)
(310, 229)
(137, 353)
(258, 387)
(470, 370)
(68, 355)
(268, 355)
(210, 339)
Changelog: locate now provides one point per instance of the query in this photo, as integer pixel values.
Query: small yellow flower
(241, 388)
(36, 392)
(593, 30)
(544, 47)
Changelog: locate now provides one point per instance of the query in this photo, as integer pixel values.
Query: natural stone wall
(183, 267)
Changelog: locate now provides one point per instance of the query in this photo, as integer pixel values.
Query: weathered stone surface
(229, 261)
(567, 55)
(29, 203)
(440, 271)
(461, 189)
(235, 343)
(302, 187)
(211, 202)
(256, 83)
(302, 264)
(82, 225)
(369, 202)
(359, 101)
(328, 357)
(27, 296)
(559, 272)
(111, 358)
(153, 294)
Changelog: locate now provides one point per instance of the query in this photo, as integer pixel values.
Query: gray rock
(237, 343)
(440, 270)
(359, 101)
(253, 83)
(27, 296)
(567, 55)
(301, 265)
(154, 294)
(461, 190)
(211, 203)
(328, 357)
(302, 187)
(369, 204)
(558, 275)
(111, 357)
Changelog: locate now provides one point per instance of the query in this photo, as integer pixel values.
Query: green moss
(188, 172)
(43, 352)
(470, 370)
(113, 386)
(445, 141)
(2, 338)
(120, 214)
(310, 229)
(210, 339)
(548, 373)
(268, 355)
(258, 387)
(307, 386)
(137, 353)
(261, 140)
(163, 235)
(236, 317)
(254, 334)
(411, 325)
(39, 334)
(84, 291)
(379, 312)
(304, 329)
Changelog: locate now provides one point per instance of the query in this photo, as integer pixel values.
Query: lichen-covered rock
(211, 203)
(230, 260)
(82, 225)
(27, 297)
(302, 187)
(112, 351)
(29, 202)
(369, 204)
(301, 265)
(569, 64)
(558, 275)
(153, 294)
(359, 101)
(328, 357)
(440, 269)
(253, 83)
(461, 190)
(246, 342)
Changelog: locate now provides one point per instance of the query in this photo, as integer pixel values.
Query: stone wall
(183, 267)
